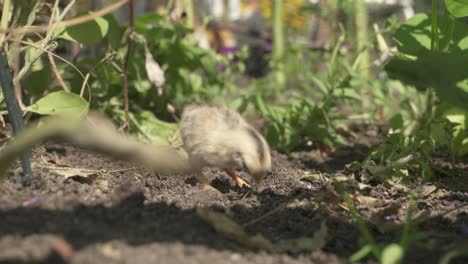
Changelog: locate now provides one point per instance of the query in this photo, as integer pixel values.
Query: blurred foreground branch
(102, 139)
(67, 23)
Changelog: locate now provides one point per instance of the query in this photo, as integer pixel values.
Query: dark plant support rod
(14, 113)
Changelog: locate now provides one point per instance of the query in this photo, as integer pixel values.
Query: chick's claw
(208, 188)
(241, 183)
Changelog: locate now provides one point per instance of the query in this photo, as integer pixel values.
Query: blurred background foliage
(304, 72)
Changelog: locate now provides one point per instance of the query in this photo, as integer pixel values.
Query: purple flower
(464, 229)
(32, 201)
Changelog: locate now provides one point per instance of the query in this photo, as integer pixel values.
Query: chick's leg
(206, 186)
(239, 182)
(197, 170)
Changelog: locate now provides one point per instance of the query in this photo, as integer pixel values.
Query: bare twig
(4, 20)
(67, 23)
(15, 58)
(54, 13)
(108, 56)
(57, 73)
(17, 85)
(131, 29)
(53, 54)
(117, 67)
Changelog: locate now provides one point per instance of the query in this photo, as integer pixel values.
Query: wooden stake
(15, 116)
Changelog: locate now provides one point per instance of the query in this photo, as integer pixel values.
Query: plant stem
(362, 38)
(367, 236)
(434, 27)
(450, 29)
(278, 41)
(14, 113)
(361, 20)
(278, 35)
(188, 7)
(131, 29)
(4, 21)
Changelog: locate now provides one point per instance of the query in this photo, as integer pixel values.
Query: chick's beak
(258, 177)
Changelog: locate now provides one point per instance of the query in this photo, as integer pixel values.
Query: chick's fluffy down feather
(216, 136)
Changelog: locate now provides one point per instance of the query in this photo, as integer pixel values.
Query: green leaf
(90, 32)
(396, 122)
(446, 73)
(60, 103)
(362, 253)
(240, 104)
(392, 254)
(261, 105)
(151, 128)
(458, 8)
(414, 36)
(346, 93)
(115, 33)
(37, 81)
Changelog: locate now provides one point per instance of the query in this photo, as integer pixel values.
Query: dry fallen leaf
(154, 71)
(365, 200)
(62, 248)
(427, 190)
(103, 184)
(297, 245)
(233, 231)
(77, 174)
(110, 252)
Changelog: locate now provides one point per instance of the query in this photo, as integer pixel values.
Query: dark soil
(117, 214)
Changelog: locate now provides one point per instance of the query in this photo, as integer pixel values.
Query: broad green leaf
(37, 81)
(396, 122)
(115, 33)
(151, 128)
(392, 254)
(446, 73)
(462, 147)
(458, 8)
(89, 32)
(60, 103)
(414, 36)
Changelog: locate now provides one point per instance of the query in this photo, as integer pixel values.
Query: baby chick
(216, 136)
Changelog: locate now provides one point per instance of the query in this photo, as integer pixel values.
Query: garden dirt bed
(84, 208)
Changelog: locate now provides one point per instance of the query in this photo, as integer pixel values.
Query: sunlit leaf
(446, 73)
(60, 103)
(89, 32)
(115, 33)
(414, 36)
(392, 254)
(37, 81)
(458, 8)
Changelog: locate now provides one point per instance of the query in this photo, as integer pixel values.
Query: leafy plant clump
(432, 56)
